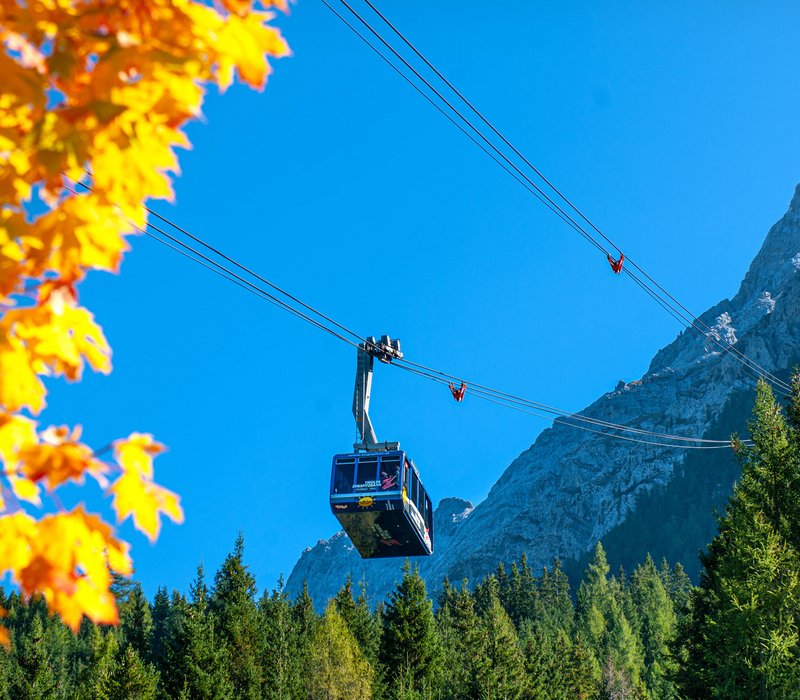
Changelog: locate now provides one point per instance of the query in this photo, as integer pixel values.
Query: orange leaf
(68, 560)
(59, 458)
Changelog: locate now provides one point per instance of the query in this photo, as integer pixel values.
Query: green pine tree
(602, 623)
(555, 608)
(464, 645)
(93, 661)
(656, 628)
(131, 678)
(202, 669)
(521, 597)
(594, 603)
(172, 636)
(740, 639)
(410, 650)
(504, 675)
(159, 614)
(583, 673)
(239, 624)
(282, 669)
(136, 622)
(35, 679)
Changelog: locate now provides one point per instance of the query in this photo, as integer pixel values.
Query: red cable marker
(458, 394)
(616, 265)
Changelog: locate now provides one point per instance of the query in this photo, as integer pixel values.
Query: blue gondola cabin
(382, 505)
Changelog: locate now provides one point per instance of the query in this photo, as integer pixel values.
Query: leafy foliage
(95, 96)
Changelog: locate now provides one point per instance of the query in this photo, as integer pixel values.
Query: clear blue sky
(675, 127)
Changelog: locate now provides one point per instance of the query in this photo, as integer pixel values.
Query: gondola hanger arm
(385, 350)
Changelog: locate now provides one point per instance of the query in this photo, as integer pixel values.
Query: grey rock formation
(571, 487)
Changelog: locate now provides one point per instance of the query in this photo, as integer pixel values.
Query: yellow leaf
(244, 43)
(19, 385)
(25, 489)
(81, 233)
(16, 433)
(135, 454)
(17, 536)
(135, 493)
(59, 335)
(144, 500)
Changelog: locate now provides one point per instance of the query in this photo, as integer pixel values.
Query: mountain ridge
(570, 488)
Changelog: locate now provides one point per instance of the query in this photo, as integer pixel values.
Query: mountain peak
(571, 488)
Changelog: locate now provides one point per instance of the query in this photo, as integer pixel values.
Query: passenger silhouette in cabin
(389, 476)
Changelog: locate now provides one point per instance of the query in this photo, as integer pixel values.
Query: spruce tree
(35, 679)
(594, 602)
(205, 664)
(656, 628)
(345, 603)
(201, 670)
(583, 672)
(464, 643)
(485, 592)
(282, 670)
(446, 597)
(306, 621)
(410, 649)
(504, 676)
(93, 662)
(233, 604)
(173, 644)
(521, 599)
(159, 614)
(602, 623)
(132, 678)
(680, 589)
(554, 601)
(553, 671)
(136, 622)
(741, 639)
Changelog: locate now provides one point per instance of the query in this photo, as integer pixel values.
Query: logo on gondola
(365, 502)
(340, 506)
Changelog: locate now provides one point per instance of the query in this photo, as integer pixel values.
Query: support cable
(485, 392)
(689, 320)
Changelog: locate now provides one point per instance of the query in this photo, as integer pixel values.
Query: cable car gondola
(376, 493)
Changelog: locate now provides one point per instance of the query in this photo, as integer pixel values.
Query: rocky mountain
(572, 487)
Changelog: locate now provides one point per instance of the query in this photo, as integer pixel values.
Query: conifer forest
(645, 633)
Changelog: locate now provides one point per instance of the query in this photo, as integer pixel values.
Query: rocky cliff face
(571, 487)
